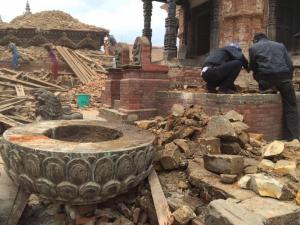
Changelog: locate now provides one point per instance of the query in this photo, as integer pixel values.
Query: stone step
(254, 211)
(112, 114)
(264, 211)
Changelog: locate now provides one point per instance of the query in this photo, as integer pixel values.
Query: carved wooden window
(199, 41)
(288, 23)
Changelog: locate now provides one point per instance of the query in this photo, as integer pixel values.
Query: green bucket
(83, 100)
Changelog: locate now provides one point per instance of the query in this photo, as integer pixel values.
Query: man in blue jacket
(15, 55)
(222, 67)
(273, 70)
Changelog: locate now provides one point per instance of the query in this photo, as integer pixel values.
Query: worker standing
(222, 67)
(273, 70)
(15, 55)
(53, 58)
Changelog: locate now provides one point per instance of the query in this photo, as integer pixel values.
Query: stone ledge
(236, 99)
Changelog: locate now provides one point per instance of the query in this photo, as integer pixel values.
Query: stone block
(230, 148)
(184, 215)
(284, 167)
(266, 165)
(226, 212)
(219, 126)
(212, 144)
(239, 127)
(273, 149)
(274, 212)
(266, 186)
(228, 178)
(182, 144)
(234, 116)
(224, 164)
(171, 157)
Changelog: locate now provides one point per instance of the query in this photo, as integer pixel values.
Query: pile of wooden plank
(10, 108)
(78, 66)
(19, 82)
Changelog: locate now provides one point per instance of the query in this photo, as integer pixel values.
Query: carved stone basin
(78, 161)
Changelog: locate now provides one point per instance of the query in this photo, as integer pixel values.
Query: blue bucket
(83, 100)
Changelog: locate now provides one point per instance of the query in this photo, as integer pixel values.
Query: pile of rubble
(17, 88)
(51, 20)
(199, 159)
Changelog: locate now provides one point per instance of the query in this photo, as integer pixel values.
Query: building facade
(202, 25)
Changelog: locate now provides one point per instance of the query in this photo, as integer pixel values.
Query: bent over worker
(15, 55)
(52, 56)
(222, 67)
(273, 69)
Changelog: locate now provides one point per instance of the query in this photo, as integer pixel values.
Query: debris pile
(51, 20)
(17, 87)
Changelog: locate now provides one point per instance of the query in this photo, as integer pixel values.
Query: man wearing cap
(222, 67)
(273, 70)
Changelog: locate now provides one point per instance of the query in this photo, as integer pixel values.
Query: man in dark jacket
(222, 67)
(273, 70)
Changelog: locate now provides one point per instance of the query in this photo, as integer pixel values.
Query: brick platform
(262, 112)
(132, 91)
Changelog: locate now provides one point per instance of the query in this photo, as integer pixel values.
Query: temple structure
(57, 27)
(202, 25)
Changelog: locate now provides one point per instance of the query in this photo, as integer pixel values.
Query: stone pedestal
(136, 88)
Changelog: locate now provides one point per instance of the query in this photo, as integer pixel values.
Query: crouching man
(222, 67)
(273, 70)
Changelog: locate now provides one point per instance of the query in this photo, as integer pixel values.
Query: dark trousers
(289, 105)
(223, 76)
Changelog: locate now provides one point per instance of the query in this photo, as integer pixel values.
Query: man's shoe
(268, 91)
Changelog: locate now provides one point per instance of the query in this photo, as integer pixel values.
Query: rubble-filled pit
(78, 169)
(83, 133)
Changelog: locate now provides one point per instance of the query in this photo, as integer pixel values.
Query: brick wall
(262, 112)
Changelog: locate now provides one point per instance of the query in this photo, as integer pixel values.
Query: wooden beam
(163, 212)
(9, 122)
(44, 83)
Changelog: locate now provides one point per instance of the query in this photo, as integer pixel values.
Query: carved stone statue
(136, 53)
(48, 107)
(141, 51)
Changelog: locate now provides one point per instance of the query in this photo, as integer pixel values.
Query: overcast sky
(124, 18)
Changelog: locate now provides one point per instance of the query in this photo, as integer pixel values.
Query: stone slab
(204, 179)
(273, 211)
(226, 212)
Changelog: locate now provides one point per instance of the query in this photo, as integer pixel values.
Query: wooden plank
(78, 64)
(5, 109)
(12, 102)
(88, 59)
(20, 90)
(16, 81)
(163, 212)
(9, 122)
(8, 193)
(11, 72)
(19, 118)
(71, 64)
(42, 82)
(18, 207)
(18, 75)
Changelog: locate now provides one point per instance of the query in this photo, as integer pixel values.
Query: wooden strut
(163, 212)
(80, 68)
(18, 207)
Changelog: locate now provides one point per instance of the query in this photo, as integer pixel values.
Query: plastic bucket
(83, 100)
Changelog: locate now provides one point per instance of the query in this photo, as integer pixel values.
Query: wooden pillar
(170, 48)
(272, 21)
(147, 31)
(214, 24)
